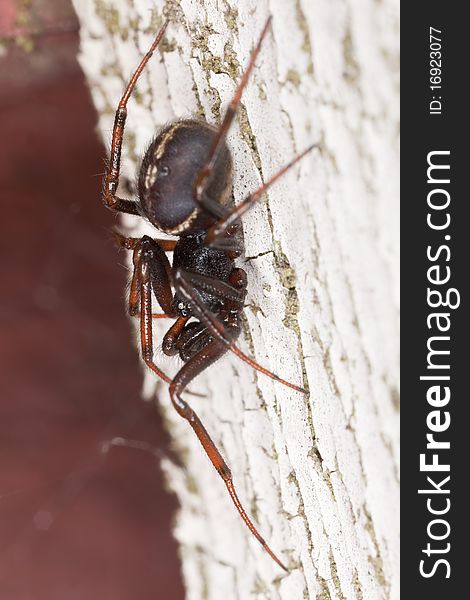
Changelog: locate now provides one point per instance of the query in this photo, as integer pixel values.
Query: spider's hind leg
(195, 365)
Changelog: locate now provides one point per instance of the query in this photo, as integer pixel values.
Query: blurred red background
(74, 522)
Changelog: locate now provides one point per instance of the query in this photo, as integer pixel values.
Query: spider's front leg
(111, 179)
(208, 167)
(217, 234)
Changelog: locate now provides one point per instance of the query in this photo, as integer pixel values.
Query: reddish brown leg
(129, 243)
(191, 369)
(146, 249)
(146, 340)
(216, 232)
(134, 298)
(111, 179)
(218, 329)
(151, 269)
(206, 171)
(134, 290)
(141, 287)
(169, 341)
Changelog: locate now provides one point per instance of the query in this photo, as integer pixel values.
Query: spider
(185, 190)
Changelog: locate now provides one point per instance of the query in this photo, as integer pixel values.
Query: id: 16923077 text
(435, 71)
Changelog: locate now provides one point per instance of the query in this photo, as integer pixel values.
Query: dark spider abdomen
(168, 173)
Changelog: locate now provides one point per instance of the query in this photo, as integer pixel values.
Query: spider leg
(207, 169)
(149, 252)
(216, 287)
(134, 290)
(217, 328)
(151, 271)
(169, 346)
(204, 358)
(215, 233)
(129, 243)
(111, 179)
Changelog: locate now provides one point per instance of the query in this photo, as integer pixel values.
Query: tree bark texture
(318, 473)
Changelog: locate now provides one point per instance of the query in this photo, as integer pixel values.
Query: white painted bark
(319, 474)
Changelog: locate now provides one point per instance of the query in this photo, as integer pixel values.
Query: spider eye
(164, 171)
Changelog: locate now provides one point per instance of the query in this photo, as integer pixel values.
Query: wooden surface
(319, 474)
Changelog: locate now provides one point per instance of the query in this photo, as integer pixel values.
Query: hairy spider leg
(111, 180)
(129, 243)
(217, 328)
(195, 365)
(141, 289)
(152, 272)
(199, 185)
(215, 233)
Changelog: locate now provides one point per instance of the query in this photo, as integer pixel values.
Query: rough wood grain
(319, 474)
